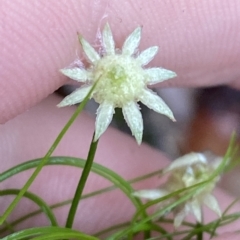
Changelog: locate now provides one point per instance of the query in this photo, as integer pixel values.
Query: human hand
(197, 40)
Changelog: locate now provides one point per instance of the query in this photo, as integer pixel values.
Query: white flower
(122, 81)
(184, 172)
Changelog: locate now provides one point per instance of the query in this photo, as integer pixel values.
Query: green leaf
(66, 202)
(77, 162)
(44, 160)
(40, 202)
(45, 233)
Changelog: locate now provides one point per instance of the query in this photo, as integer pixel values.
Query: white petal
(132, 42)
(154, 102)
(147, 55)
(188, 176)
(187, 160)
(92, 55)
(108, 41)
(151, 194)
(134, 120)
(75, 97)
(196, 209)
(212, 203)
(179, 217)
(156, 75)
(104, 117)
(78, 74)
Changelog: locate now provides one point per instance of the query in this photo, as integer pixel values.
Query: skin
(199, 40)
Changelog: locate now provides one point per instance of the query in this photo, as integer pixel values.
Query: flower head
(184, 172)
(122, 81)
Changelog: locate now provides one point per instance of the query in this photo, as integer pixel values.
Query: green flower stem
(199, 234)
(46, 157)
(81, 183)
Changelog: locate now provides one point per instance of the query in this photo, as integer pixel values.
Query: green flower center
(121, 79)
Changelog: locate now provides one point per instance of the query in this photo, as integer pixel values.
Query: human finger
(198, 40)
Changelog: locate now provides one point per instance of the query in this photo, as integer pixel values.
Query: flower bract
(185, 172)
(122, 80)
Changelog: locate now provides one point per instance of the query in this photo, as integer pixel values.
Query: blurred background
(206, 118)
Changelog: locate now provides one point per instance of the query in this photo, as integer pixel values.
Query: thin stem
(9, 227)
(200, 233)
(111, 229)
(81, 183)
(147, 234)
